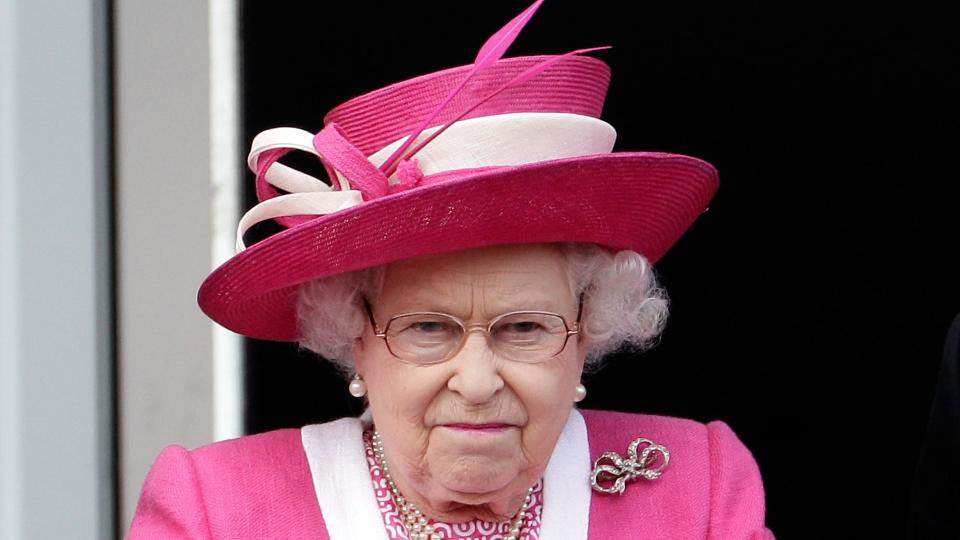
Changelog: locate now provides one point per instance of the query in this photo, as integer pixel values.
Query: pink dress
(266, 486)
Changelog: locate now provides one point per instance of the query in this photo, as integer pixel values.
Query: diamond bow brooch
(612, 472)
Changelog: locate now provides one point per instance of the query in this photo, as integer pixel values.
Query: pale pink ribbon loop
(306, 195)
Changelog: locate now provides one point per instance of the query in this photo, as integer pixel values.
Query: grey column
(164, 232)
(56, 458)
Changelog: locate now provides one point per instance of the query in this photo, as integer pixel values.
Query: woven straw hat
(504, 150)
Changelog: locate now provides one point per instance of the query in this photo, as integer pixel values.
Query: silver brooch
(610, 467)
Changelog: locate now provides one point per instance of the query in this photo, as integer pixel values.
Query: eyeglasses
(428, 337)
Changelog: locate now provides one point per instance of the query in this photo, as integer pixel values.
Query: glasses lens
(423, 338)
(529, 336)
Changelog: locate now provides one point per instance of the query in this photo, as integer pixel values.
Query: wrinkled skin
(451, 473)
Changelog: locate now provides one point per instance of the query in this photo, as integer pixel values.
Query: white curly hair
(624, 306)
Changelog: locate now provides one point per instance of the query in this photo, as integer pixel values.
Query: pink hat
(505, 150)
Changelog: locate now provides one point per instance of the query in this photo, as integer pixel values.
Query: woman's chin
(464, 465)
(477, 483)
(486, 501)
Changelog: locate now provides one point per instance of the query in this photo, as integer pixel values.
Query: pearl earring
(358, 388)
(579, 393)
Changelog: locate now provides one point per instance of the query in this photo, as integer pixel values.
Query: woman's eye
(519, 330)
(429, 327)
(524, 327)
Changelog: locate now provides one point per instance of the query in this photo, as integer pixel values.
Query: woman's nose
(476, 374)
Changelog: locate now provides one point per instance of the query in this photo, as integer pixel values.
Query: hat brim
(642, 201)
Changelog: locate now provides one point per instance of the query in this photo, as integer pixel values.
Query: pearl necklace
(415, 521)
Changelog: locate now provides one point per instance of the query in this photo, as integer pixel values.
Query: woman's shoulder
(711, 483)
(682, 433)
(251, 452)
(225, 487)
(618, 420)
(240, 462)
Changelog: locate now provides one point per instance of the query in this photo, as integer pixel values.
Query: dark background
(809, 305)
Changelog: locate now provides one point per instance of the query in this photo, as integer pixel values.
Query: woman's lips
(479, 428)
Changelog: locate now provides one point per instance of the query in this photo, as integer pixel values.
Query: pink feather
(494, 48)
(529, 73)
(491, 51)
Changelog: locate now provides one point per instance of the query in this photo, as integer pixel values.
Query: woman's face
(429, 416)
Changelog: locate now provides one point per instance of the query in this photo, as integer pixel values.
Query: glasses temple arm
(373, 323)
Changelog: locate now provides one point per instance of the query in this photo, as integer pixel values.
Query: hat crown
(575, 84)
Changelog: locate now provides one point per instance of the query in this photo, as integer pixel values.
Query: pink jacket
(261, 486)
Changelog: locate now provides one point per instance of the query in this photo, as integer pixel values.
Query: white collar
(341, 479)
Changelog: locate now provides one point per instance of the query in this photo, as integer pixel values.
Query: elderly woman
(478, 246)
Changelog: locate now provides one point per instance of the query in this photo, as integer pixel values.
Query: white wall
(55, 338)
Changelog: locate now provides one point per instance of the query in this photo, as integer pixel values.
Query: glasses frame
(382, 334)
